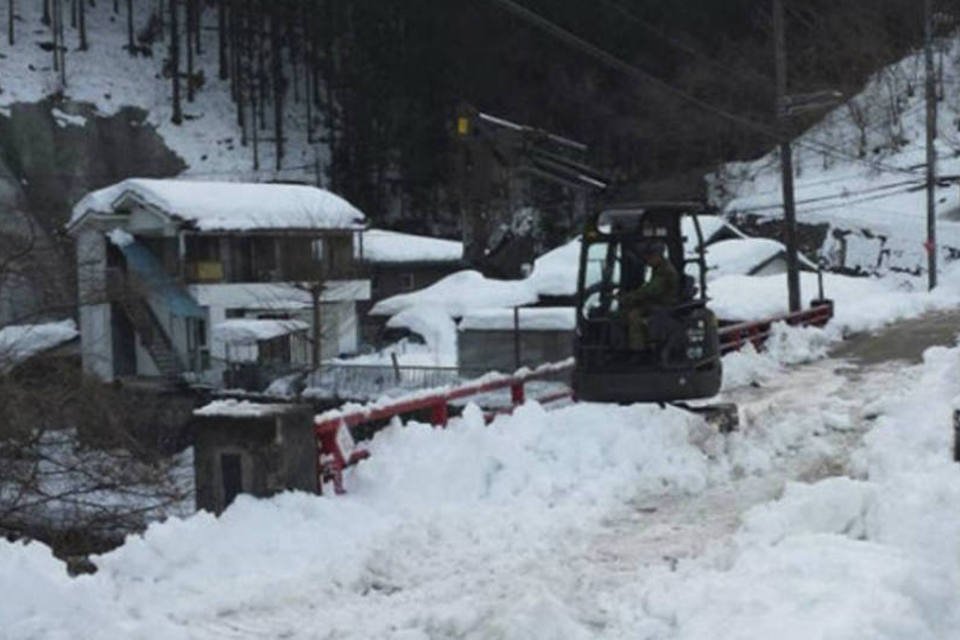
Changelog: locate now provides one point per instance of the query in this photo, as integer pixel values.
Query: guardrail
(736, 336)
(332, 427)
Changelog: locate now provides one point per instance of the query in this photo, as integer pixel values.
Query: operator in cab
(659, 291)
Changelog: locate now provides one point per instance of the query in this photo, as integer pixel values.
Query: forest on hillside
(379, 80)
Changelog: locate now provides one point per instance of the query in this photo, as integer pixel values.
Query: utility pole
(931, 99)
(786, 159)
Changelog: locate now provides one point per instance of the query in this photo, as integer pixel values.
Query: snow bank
(22, 341)
(861, 304)
(229, 206)
(844, 558)
(379, 245)
(465, 498)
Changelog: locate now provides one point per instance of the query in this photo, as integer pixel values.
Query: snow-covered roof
(530, 319)
(742, 256)
(710, 226)
(275, 295)
(21, 341)
(555, 272)
(228, 206)
(251, 331)
(460, 293)
(380, 245)
(231, 408)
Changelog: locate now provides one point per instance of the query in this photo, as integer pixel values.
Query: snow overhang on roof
(23, 341)
(248, 331)
(382, 246)
(276, 296)
(226, 206)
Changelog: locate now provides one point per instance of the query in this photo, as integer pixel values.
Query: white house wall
(347, 328)
(96, 338)
(96, 341)
(145, 364)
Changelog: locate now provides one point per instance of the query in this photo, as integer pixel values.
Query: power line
(912, 184)
(745, 74)
(607, 58)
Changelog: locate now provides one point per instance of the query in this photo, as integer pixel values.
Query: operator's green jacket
(659, 291)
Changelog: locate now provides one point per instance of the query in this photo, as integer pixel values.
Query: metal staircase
(152, 335)
(143, 279)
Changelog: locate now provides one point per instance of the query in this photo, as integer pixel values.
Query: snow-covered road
(584, 522)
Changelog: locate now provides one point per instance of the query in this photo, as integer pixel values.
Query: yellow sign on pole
(463, 125)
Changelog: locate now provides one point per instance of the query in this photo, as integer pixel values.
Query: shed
(252, 448)
(506, 339)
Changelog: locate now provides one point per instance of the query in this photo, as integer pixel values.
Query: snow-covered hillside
(107, 76)
(861, 171)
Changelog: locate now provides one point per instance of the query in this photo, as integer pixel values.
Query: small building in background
(399, 263)
(506, 339)
(256, 449)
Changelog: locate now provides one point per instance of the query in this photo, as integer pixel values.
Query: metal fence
(362, 382)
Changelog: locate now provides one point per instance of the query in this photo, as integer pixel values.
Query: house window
(407, 282)
(317, 247)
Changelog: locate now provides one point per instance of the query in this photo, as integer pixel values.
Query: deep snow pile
(860, 172)
(860, 304)
(488, 531)
(871, 558)
(467, 497)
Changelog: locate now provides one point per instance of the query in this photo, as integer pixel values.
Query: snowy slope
(860, 171)
(109, 78)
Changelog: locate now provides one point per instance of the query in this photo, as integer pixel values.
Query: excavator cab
(680, 359)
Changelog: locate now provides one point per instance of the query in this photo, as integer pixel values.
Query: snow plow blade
(725, 416)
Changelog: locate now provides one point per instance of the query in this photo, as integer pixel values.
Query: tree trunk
(190, 29)
(46, 12)
(131, 45)
(10, 22)
(175, 62)
(62, 48)
(82, 11)
(53, 30)
(198, 27)
(222, 38)
(240, 72)
(277, 84)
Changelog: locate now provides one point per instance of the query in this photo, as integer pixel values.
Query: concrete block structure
(255, 449)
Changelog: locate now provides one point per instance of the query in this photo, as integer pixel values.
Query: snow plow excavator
(679, 357)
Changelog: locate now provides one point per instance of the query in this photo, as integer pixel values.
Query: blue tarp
(159, 284)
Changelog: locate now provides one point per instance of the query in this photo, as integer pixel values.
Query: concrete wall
(493, 350)
(276, 451)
